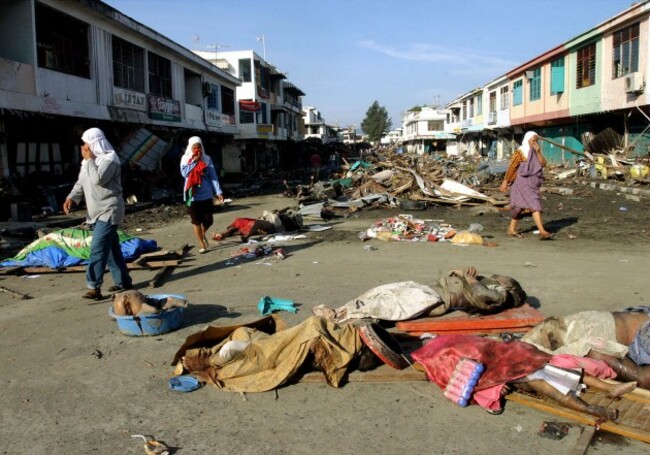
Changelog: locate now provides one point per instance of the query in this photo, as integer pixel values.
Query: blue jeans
(105, 250)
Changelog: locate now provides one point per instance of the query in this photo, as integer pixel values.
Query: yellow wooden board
(634, 412)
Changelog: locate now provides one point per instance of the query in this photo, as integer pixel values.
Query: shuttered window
(557, 76)
(517, 93)
(505, 98)
(479, 104)
(535, 85)
(586, 67)
(625, 57)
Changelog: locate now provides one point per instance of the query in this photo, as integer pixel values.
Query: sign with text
(129, 99)
(216, 118)
(162, 108)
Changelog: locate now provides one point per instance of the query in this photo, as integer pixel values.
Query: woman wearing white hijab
(524, 178)
(99, 183)
(200, 188)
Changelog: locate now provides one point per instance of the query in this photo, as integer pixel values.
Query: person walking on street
(99, 183)
(524, 179)
(200, 188)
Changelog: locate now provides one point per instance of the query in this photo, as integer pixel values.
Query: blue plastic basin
(150, 324)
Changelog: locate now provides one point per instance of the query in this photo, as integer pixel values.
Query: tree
(376, 123)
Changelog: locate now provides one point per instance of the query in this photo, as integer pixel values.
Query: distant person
(524, 179)
(243, 164)
(315, 163)
(334, 161)
(99, 183)
(200, 188)
(246, 227)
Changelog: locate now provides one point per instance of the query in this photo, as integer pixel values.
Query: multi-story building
(268, 110)
(594, 81)
(423, 130)
(314, 126)
(67, 65)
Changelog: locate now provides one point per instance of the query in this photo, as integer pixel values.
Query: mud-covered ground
(71, 383)
(587, 213)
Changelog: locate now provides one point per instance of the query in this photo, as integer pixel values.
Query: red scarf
(193, 180)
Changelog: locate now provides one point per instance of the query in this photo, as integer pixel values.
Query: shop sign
(162, 108)
(129, 99)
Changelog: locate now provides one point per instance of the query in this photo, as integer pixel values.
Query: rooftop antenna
(216, 48)
(196, 39)
(261, 38)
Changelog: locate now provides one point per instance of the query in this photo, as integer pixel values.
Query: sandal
(93, 294)
(516, 235)
(547, 237)
(117, 288)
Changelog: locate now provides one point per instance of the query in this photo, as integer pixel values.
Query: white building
(423, 130)
(268, 110)
(67, 65)
(314, 126)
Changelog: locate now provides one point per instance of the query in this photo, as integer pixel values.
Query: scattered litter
(623, 209)
(184, 383)
(151, 446)
(268, 305)
(529, 264)
(553, 430)
(370, 248)
(318, 228)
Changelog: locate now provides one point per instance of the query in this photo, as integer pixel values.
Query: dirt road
(71, 383)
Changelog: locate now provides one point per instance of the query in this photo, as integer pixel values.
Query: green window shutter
(517, 89)
(557, 76)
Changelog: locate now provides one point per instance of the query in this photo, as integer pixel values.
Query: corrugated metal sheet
(567, 136)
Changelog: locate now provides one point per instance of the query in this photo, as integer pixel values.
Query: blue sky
(345, 54)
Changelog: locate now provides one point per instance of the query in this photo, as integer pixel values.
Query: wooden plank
(164, 273)
(160, 277)
(523, 316)
(82, 268)
(13, 293)
(626, 426)
(475, 331)
(584, 441)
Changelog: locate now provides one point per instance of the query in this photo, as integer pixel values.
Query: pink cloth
(592, 367)
(504, 362)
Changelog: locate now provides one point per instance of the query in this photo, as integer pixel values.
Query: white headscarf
(99, 145)
(188, 151)
(525, 146)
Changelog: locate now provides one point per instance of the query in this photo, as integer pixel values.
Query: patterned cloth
(68, 247)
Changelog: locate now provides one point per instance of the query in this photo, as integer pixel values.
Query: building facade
(592, 82)
(67, 65)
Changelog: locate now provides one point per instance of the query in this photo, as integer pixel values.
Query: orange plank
(523, 316)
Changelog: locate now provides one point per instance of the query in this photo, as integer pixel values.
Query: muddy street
(74, 384)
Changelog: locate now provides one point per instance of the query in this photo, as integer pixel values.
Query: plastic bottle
(463, 380)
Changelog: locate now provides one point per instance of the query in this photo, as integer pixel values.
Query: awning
(289, 87)
(249, 106)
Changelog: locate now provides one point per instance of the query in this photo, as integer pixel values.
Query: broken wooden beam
(14, 293)
(164, 273)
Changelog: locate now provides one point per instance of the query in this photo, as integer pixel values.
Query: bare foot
(618, 390)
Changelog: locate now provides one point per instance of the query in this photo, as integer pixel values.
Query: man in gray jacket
(99, 183)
